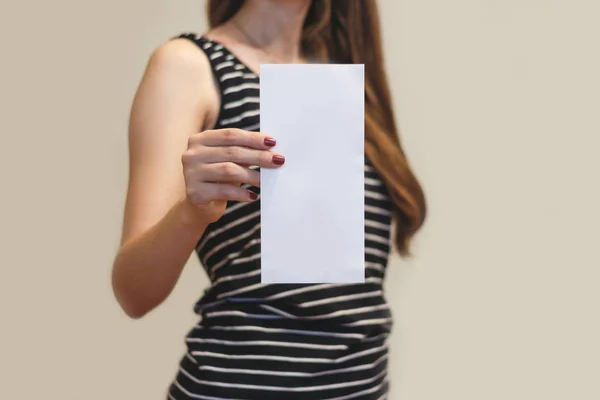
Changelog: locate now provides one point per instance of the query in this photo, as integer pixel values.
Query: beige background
(498, 103)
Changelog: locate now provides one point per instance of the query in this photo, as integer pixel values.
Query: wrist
(190, 215)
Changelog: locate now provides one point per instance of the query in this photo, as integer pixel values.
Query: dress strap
(238, 85)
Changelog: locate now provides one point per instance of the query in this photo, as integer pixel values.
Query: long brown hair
(348, 31)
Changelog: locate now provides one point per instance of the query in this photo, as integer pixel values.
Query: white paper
(312, 208)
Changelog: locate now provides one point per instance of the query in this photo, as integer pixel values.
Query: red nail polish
(270, 142)
(278, 160)
(253, 196)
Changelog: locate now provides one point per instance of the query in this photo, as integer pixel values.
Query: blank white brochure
(312, 208)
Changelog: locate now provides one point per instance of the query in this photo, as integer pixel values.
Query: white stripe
(223, 65)
(231, 256)
(368, 168)
(242, 290)
(287, 331)
(372, 181)
(375, 266)
(376, 252)
(234, 313)
(228, 278)
(206, 45)
(213, 304)
(376, 321)
(277, 311)
(377, 238)
(240, 117)
(339, 313)
(340, 298)
(235, 207)
(315, 287)
(262, 357)
(291, 359)
(251, 127)
(351, 311)
(269, 343)
(300, 290)
(223, 229)
(375, 195)
(239, 66)
(245, 100)
(235, 89)
(218, 47)
(362, 392)
(246, 259)
(374, 280)
(376, 338)
(230, 75)
(216, 54)
(284, 388)
(378, 225)
(377, 210)
(295, 374)
(229, 57)
(234, 239)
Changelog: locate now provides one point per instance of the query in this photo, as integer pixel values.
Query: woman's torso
(320, 341)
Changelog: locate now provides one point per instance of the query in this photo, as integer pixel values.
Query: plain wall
(498, 106)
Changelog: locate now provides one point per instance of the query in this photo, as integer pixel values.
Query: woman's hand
(217, 161)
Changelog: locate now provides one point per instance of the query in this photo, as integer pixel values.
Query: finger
(242, 156)
(223, 191)
(228, 172)
(236, 137)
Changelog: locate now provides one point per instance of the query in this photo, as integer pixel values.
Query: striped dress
(257, 341)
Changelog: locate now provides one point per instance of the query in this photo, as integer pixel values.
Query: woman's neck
(274, 26)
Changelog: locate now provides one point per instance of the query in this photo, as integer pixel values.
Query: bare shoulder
(180, 55)
(178, 73)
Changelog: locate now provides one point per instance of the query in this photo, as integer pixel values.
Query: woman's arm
(180, 178)
(161, 226)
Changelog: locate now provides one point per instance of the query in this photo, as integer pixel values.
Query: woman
(194, 137)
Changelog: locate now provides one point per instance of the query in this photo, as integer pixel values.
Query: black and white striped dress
(256, 341)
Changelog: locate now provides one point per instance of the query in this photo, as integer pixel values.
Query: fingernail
(278, 160)
(269, 141)
(253, 196)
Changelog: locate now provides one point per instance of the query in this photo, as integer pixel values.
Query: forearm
(148, 266)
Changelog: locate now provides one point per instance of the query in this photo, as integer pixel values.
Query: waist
(259, 327)
(339, 308)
